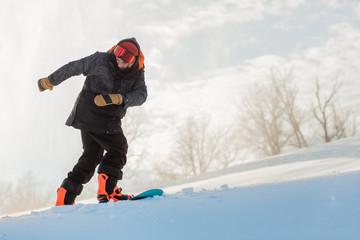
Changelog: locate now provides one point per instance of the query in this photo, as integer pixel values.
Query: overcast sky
(198, 54)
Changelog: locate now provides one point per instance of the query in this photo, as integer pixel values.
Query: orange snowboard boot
(108, 190)
(64, 197)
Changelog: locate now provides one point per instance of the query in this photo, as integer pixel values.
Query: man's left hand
(105, 100)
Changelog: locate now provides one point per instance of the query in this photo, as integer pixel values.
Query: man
(114, 81)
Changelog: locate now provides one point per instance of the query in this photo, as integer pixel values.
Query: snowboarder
(114, 81)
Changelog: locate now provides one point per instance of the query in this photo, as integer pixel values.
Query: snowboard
(148, 194)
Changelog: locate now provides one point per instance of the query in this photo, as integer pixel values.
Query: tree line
(273, 118)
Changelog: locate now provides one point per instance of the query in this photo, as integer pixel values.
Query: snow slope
(310, 194)
(333, 158)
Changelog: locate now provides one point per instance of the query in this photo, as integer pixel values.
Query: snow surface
(310, 194)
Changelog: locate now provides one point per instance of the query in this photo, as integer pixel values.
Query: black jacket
(103, 77)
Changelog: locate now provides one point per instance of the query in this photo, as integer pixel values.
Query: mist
(198, 57)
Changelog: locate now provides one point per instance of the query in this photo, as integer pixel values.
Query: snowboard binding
(103, 193)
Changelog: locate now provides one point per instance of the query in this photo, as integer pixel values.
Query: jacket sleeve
(138, 94)
(73, 68)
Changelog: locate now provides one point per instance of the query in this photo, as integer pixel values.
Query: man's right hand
(44, 84)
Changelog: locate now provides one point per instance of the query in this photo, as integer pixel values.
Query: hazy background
(199, 57)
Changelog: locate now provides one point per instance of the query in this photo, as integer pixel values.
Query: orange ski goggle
(124, 54)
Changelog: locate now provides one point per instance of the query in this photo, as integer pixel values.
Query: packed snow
(309, 194)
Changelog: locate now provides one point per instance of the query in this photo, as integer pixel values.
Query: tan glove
(104, 100)
(44, 84)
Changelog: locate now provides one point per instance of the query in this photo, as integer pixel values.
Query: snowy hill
(327, 159)
(258, 200)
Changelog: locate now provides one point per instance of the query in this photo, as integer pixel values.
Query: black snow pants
(94, 146)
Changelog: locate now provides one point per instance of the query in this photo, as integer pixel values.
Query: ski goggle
(124, 54)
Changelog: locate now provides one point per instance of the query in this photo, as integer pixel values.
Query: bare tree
(168, 171)
(32, 193)
(283, 83)
(335, 122)
(198, 149)
(136, 133)
(345, 123)
(134, 126)
(271, 118)
(231, 148)
(262, 124)
(322, 108)
(29, 193)
(6, 194)
(339, 122)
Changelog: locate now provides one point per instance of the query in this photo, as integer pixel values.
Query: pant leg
(92, 154)
(111, 164)
(115, 158)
